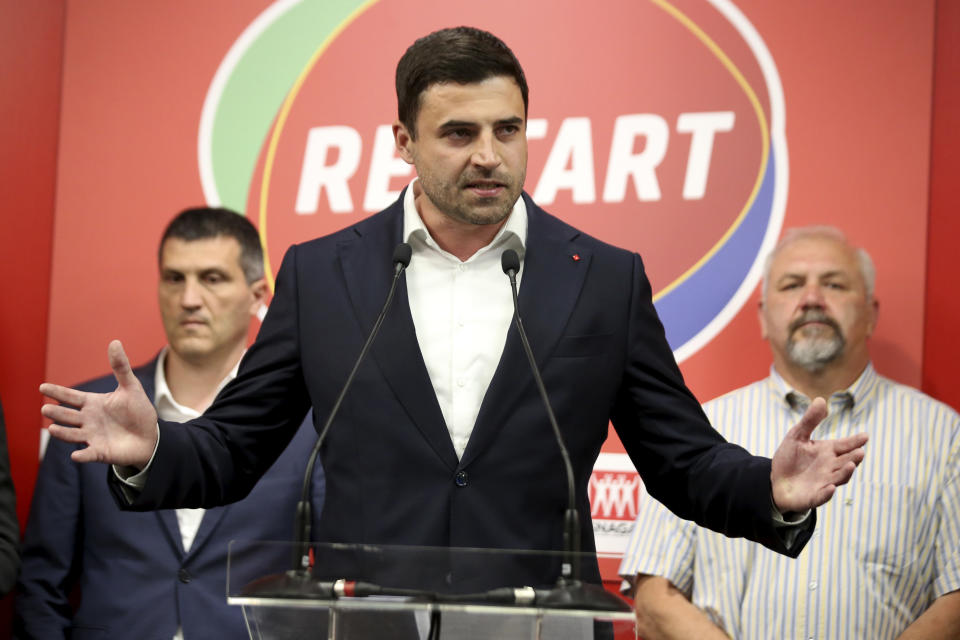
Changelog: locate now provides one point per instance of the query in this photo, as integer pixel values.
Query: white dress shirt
(461, 311)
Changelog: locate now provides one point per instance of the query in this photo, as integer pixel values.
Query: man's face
(205, 301)
(816, 310)
(471, 149)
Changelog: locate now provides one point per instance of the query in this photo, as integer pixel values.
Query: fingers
(122, 370)
(823, 495)
(85, 455)
(65, 395)
(843, 474)
(856, 456)
(813, 416)
(850, 443)
(61, 414)
(67, 434)
(74, 436)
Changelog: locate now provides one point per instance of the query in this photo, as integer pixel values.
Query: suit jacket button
(184, 576)
(461, 479)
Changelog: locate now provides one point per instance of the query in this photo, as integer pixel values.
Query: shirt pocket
(886, 525)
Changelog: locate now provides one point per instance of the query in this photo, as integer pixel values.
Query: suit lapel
(368, 272)
(171, 528)
(551, 282)
(208, 524)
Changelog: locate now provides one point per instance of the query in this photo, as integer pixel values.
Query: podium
(367, 592)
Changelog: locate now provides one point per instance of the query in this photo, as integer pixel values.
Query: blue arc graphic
(687, 309)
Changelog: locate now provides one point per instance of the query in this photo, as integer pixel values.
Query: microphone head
(401, 254)
(510, 261)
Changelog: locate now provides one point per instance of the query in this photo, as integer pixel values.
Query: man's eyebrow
(453, 124)
(209, 270)
(834, 273)
(791, 275)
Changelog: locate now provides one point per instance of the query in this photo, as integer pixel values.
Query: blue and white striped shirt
(885, 547)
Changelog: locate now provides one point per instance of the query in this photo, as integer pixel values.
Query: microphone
(510, 262)
(291, 585)
(570, 596)
(570, 592)
(296, 583)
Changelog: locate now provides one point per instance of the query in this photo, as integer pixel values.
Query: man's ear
(763, 320)
(404, 141)
(260, 291)
(874, 315)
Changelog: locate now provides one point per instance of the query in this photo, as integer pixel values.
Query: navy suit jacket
(392, 473)
(9, 526)
(134, 578)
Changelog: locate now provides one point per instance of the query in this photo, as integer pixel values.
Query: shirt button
(461, 267)
(813, 585)
(461, 382)
(461, 479)
(184, 576)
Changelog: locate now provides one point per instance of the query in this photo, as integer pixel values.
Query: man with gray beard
(884, 562)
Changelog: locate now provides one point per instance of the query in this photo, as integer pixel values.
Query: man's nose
(485, 152)
(191, 297)
(812, 297)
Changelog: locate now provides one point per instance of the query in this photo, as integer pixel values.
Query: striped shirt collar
(857, 396)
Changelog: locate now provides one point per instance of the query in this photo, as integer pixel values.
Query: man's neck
(195, 384)
(823, 383)
(457, 238)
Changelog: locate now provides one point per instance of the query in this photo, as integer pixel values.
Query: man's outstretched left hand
(806, 472)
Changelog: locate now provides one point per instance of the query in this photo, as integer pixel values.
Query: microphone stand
(570, 592)
(570, 569)
(297, 582)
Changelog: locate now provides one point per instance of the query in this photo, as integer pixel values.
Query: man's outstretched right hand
(119, 427)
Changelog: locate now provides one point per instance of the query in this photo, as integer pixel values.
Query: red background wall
(941, 346)
(31, 49)
(54, 46)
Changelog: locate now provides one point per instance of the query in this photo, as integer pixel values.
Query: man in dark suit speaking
(443, 438)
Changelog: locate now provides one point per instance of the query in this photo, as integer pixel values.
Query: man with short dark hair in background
(885, 560)
(163, 574)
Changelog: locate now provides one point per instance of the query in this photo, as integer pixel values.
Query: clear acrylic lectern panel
(377, 592)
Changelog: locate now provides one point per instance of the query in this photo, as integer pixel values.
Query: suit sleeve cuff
(791, 524)
(131, 480)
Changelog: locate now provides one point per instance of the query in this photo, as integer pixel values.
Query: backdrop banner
(690, 131)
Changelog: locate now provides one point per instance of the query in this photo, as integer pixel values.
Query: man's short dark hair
(201, 223)
(461, 55)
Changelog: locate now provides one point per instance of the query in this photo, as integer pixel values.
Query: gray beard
(813, 354)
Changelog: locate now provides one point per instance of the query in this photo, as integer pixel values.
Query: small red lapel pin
(576, 257)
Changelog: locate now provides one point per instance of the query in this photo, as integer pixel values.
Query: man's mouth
(814, 320)
(486, 188)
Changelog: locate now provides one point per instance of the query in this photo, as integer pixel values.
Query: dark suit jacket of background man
(392, 473)
(9, 525)
(130, 567)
